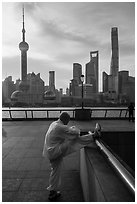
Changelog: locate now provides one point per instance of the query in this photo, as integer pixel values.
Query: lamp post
(82, 80)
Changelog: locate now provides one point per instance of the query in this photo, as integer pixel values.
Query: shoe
(54, 195)
(97, 131)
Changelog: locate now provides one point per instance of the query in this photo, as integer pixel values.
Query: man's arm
(71, 132)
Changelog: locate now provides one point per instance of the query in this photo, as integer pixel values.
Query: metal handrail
(32, 110)
(128, 179)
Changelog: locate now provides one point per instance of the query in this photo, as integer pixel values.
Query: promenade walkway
(26, 172)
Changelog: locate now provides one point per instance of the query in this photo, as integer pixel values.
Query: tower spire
(23, 46)
(23, 29)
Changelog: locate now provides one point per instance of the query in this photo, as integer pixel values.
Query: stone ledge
(99, 181)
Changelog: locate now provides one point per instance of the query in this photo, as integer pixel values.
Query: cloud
(61, 33)
(11, 67)
(127, 50)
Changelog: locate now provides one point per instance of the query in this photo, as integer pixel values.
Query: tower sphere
(23, 46)
(16, 94)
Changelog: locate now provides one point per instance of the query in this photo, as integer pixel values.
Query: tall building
(51, 93)
(126, 86)
(92, 71)
(30, 89)
(19, 95)
(111, 82)
(115, 52)
(88, 90)
(114, 59)
(36, 88)
(77, 72)
(23, 46)
(105, 82)
(74, 89)
(34, 94)
(123, 78)
(67, 91)
(8, 87)
(52, 81)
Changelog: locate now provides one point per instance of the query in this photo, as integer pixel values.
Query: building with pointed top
(110, 82)
(77, 71)
(114, 67)
(23, 46)
(118, 85)
(31, 86)
(92, 71)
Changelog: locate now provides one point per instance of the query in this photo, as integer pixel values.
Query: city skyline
(57, 36)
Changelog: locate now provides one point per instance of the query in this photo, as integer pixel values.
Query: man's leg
(70, 146)
(55, 177)
(67, 147)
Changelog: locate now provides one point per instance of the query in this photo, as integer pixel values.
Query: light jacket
(56, 135)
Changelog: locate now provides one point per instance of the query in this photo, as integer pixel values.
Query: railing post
(120, 113)
(105, 113)
(90, 113)
(10, 114)
(47, 114)
(126, 113)
(32, 113)
(73, 113)
(26, 113)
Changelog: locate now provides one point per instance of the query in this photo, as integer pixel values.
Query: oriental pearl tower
(23, 46)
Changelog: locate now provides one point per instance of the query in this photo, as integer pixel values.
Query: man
(131, 112)
(61, 140)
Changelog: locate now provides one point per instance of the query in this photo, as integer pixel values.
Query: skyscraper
(31, 86)
(115, 52)
(114, 59)
(105, 82)
(8, 87)
(52, 81)
(92, 71)
(77, 71)
(20, 95)
(23, 46)
(76, 81)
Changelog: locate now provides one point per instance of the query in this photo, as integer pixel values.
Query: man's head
(64, 117)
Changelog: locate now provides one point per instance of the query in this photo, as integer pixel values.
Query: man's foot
(54, 195)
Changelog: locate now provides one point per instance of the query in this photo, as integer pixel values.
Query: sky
(62, 33)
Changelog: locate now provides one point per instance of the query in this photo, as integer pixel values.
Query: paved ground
(25, 171)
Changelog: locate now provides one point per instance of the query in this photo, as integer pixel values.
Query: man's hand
(75, 130)
(73, 133)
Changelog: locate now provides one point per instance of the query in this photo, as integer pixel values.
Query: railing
(126, 176)
(50, 113)
(34, 113)
(99, 164)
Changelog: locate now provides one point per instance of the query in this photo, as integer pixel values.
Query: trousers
(56, 162)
